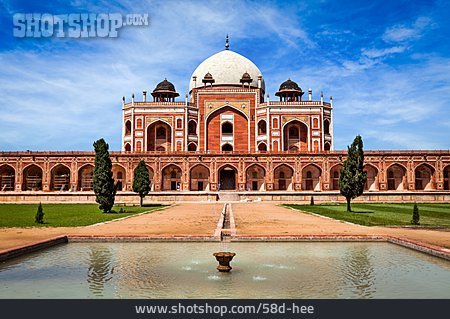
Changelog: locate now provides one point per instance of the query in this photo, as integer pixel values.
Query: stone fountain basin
(224, 259)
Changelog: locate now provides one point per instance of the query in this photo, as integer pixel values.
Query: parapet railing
(209, 153)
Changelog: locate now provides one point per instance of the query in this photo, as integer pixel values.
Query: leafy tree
(415, 216)
(102, 180)
(353, 178)
(141, 181)
(39, 219)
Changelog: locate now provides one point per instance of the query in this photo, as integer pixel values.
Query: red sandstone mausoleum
(227, 135)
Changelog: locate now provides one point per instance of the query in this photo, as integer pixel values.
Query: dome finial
(227, 46)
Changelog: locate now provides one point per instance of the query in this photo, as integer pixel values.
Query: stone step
(229, 197)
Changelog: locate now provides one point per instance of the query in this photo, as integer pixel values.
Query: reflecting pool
(260, 270)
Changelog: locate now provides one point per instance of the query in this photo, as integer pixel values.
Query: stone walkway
(268, 219)
(251, 219)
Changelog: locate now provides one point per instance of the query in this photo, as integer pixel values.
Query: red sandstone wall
(240, 130)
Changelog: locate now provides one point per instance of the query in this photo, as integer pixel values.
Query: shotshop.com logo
(74, 25)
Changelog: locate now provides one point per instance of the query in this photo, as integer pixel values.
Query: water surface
(260, 270)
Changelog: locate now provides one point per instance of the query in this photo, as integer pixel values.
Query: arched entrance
(7, 178)
(262, 147)
(446, 178)
(424, 177)
(32, 178)
(119, 176)
(85, 174)
(227, 178)
(255, 178)
(311, 178)
(227, 125)
(283, 178)
(335, 174)
(151, 174)
(295, 136)
(159, 137)
(60, 180)
(262, 127)
(192, 147)
(396, 177)
(199, 178)
(371, 183)
(171, 178)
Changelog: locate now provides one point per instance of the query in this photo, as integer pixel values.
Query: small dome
(208, 78)
(165, 86)
(289, 85)
(246, 77)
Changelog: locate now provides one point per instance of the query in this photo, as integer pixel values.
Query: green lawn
(431, 215)
(62, 215)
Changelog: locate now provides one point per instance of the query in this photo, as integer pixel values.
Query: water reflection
(358, 272)
(100, 269)
(261, 270)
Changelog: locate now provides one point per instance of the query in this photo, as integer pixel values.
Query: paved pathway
(258, 219)
(270, 219)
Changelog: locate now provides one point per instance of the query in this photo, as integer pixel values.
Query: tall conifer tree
(102, 180)
(141, 181)
(353, 177)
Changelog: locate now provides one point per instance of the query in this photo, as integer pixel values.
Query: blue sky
(386, 64)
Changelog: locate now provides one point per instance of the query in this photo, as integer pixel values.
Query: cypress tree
(102, 180)
(39, 218)
(415, 216)
(353, 178)
(141, 181)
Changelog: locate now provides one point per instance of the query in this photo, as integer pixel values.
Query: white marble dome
(226, 67)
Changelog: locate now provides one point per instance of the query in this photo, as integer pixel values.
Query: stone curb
(26, 249)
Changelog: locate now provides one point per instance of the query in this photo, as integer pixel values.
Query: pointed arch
(227, 147)
(192, 127)
(85, 174)
(119, 175)
(283, 177)
(424, 177)
(396, 176)
(262, 147)
(60, 178)
(227, 177)
(32, 178)
(262, 127)
(192, 147)
(127, 127)
(7, 177)
(159, 136)
(335, 173)
(171, 178)
(372, 177)
(295, 135)
(199, 178)
(446, 177)
(255, 177)
(311, 177)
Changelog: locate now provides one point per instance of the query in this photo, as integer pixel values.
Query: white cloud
(402, 33)
(54, 98)
(378, 53)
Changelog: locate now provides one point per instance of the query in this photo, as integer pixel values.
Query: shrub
(415, 216)
(39, 219)
(312, 201)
